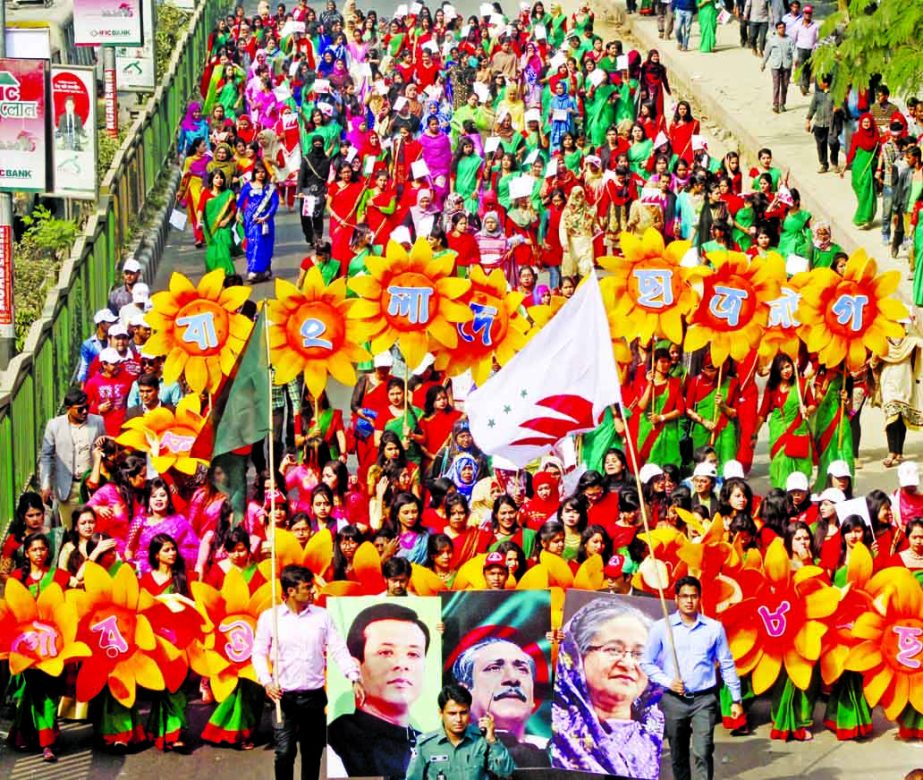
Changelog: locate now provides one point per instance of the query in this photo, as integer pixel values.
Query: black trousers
(896, 433)
(313, 228)
(826, 140)
(691, 722)
(304, 725)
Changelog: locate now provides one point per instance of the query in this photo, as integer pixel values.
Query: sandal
(246, 745)
(48, 756)
(890, 461)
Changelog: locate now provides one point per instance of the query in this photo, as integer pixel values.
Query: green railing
(37, 379)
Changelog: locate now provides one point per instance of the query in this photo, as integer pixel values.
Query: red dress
(344, 201)
(681, 138)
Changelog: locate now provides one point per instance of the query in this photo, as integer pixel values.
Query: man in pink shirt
(108, 390)
(306, 637)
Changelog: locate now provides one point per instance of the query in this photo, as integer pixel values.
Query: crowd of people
(524, 143)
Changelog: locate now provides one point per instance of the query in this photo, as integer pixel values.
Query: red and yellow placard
(781, 331)
(648, 290)
(409, 298)
(313, 332)
(198, 329)
(496, 330)
(845, 317)
(167, 436)
(735, 303)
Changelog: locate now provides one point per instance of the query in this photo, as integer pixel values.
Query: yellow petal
(799, 670)
(765, 673)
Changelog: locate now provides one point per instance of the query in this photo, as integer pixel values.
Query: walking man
(690, 702)
(458, 750)
(780, 54)
(307, 637)
(805, 35)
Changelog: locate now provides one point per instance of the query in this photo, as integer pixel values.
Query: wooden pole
(647, 531)
(717, 412)
(272, 528)
(839, 425)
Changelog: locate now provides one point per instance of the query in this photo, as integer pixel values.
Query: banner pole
(272, 522)
(7, 332)
(647, 531)
(717, 411)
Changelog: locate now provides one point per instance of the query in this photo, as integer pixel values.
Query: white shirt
(305, 639)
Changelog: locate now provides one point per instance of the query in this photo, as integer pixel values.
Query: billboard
(22, 125)
(135, 66)
(73, 122)
(107, 23)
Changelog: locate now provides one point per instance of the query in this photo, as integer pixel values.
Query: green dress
(745, 217)
(918, 266)
(638, 155)
(466, 180)
(219, 241)
(396, 425)
(625, 107)
(708, 26)
(795, 238)
(600, 113)
(659, 444)
(823, 258)
(792, 709)
(863, 185)
(833, 433)
(596, 443)
(790, 442)
(725, 441)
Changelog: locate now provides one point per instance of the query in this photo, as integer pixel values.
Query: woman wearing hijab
(563, 108)
(823, 248)
(575, 231)
(494, 245)
(863, 154)
(437, 154)
(193, 128)
(195, 170)
(423, 217)
(312, 186)
(461, 442)
(464, 473)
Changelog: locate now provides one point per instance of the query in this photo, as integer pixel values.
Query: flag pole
(717, 411)
(272, 524)
(647, 532)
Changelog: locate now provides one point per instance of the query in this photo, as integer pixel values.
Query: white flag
(558, 385)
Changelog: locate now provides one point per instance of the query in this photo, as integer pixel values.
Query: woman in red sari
(462, 241)
(468, 541)
(434, 430)
(682, 129)
(342, 203)
(378, 207)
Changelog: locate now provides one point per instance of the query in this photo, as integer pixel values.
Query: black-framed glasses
(616, 652)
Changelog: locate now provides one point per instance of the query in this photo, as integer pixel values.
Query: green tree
(865, 39)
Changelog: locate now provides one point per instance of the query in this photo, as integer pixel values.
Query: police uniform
(438, 759)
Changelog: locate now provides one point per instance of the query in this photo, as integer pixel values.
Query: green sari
(833, 433)
(863, 185)
(918, 263)
(823, 258)
(725, 438)
(789, 441)
(708, 26)
(660, 443)
(573, 161)
(600, 113)
(466, 180)
(792, 709)
(219, 241)
(795, 238)
(625, 107)
(396, 425)
(745, 217)
(596, 443)
(638, 155)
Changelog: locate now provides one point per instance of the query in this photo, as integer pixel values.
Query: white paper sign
(368, 165)
(521, 187)
(282, 93)
(178, 219)
(540, 33)
(400, 11)
(426, 226)
(559, 115)
(486, 9)
(552, 169)
(854, 506)
(531, 157)
(400, 103)
(350, 153)
(419, 169)
(321, 85)
(492, 144)
(557, 61)
(415, 8)
(381, 88)
(796, 264)
(307, 205)
(481, 90)
(661, 139)
(621, 62)
(598, 76)
(401, 234)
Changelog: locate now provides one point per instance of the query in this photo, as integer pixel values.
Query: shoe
(251, 277)
(823, 169)
(886, 240)
(48, 756)
(804, 91)
(775, 109)
(782, 109)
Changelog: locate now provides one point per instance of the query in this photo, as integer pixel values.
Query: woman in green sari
(655, 416)
(822, 249)
(400, 419)
(863, 153)
(573, 155)
(712, 420)
(217, 214)
(467, 171)
(832, 431)
(789, 435)
(795, 236)
(640, 151)
(599, 104)
(708, 25)
(556, 25)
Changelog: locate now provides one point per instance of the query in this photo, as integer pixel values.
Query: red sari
(681, 138)
(380, 223)
(344, 201)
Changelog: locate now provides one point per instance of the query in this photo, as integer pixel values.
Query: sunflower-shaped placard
(167, 436)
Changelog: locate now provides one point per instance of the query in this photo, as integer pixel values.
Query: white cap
(705, 469)
(118, 330)
(140, 293)
(839, 468)
(104, 315)
(110, 355)
(834, 495)
(908, 474)
(138, 321)
(401, 234)
(796, 481)
(733, 469)
(427, 361)
(383, 360)
(148, 356)
(648, 472)
(131, 265)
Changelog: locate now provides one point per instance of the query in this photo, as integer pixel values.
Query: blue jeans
(683, 27)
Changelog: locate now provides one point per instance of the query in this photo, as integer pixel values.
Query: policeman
(460, 751)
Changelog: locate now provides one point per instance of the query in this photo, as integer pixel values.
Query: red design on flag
(579, 413)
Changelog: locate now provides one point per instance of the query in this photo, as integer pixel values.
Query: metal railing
(36, 380)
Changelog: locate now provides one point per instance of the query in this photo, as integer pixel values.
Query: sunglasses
(80, 408)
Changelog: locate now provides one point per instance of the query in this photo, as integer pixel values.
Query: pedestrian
(66, 454)
(122, 295)
(780, 54)
(256, 210)
(825, 121)
(683, 10)
(805, 33)
(458, 750)
(306, 637)
(690, 701)
(756, 12)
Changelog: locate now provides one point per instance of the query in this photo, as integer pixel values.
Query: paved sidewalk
(734, 95)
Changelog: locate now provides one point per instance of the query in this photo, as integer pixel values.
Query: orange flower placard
(648, 290)
(781, 332)
(496, 328)
(38, 633)
(843, 317)
(124, 648)
(734, 308)
(781, 620)
(312, 332)
(198, 329)
(167, 436)
(408, 298)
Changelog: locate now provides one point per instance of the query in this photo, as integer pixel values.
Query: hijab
(190, 124)
(484, 232)
(869, 139)
(454, 473)
(228, 167)
(577, 217)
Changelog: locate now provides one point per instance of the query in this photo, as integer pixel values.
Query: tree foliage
(870, 38)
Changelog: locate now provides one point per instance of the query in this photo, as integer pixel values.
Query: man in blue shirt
(683, 10)
(690, 701)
